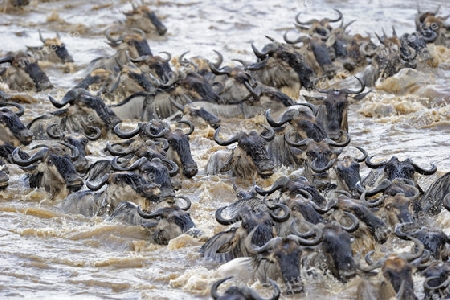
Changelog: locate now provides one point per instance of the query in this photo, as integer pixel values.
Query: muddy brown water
(48, 254)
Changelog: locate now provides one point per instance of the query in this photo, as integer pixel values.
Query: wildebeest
(319, 158)
(348, 172)
(121, 186)
(391, 56)
(12, 130)
(167, 223)
(332, 114)
(431, 202)
(248, 159)
(437, 282)
(281, 257)
(230, 244)
(53, 50)
(241, 293)
(321, 28)
(294, 185)
(434, 240)
(85, 113)
(77, 140)
(282, 67)
(54, 170)
(394, 168)
(144, 18)
(397, 270)
(23, 73)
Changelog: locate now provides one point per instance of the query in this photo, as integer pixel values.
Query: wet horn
(221, 142)
(26, 162)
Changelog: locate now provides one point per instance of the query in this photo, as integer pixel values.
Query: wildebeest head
(54, 171)
(194, 112)
(12, 129)
(85, 112)
(397, 270)
(277, 63)
(319, 157)
(77, 140)
(53, 50)
(144, 18)
(294, 186)
(251, 147)
(394, 168)
(158, 66)
(321, 28)
(436, 279)
(241, 293)
(24, 73)
(361, 209)
(180, 150)
(127, 185)
(169, 223)
(348, 172)
(133, 41)
(333, 113)
(280, 257)
(336, 245)
(434, 240)
(429, 20)
(302, 120)
(156, 170)
(418, 42)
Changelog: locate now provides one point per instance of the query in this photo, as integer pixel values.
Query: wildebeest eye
(49, 162)
(311, 153)
(388, 207)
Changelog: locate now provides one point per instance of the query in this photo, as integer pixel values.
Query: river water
(47, 254)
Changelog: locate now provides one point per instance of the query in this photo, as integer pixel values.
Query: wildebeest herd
(319, 217)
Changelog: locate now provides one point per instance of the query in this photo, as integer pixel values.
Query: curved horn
(410, 57)
(188, 203)
(75, 152)
(96, 135)
(26, 162)
(176, 104)
(111, 39)
(127, 135)
(399, 230)
(363, 86)
(20, 107)
(51, 133)
(117, 153)
(301, 38)
(355, 222)
(369, 268)
(296, 236)
(162, 133)
(69, 97)
(102, 182)
(334, 20)
(215, 286)
(341, 144)
(190, 124)
(372, 165)
(271, 133)
(364, 152)
(223, 142)
(224, 221)
(172, 166)
(296, 144)
(423, 171)
(278, 184)
(284, 119)
(133, 167)
(223, 71)
(426, 283)
(168, 58)
(219, 60)
(429, 35)
(286, 210)
(152, 215)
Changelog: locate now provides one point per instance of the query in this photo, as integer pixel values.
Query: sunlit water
(48, 254)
